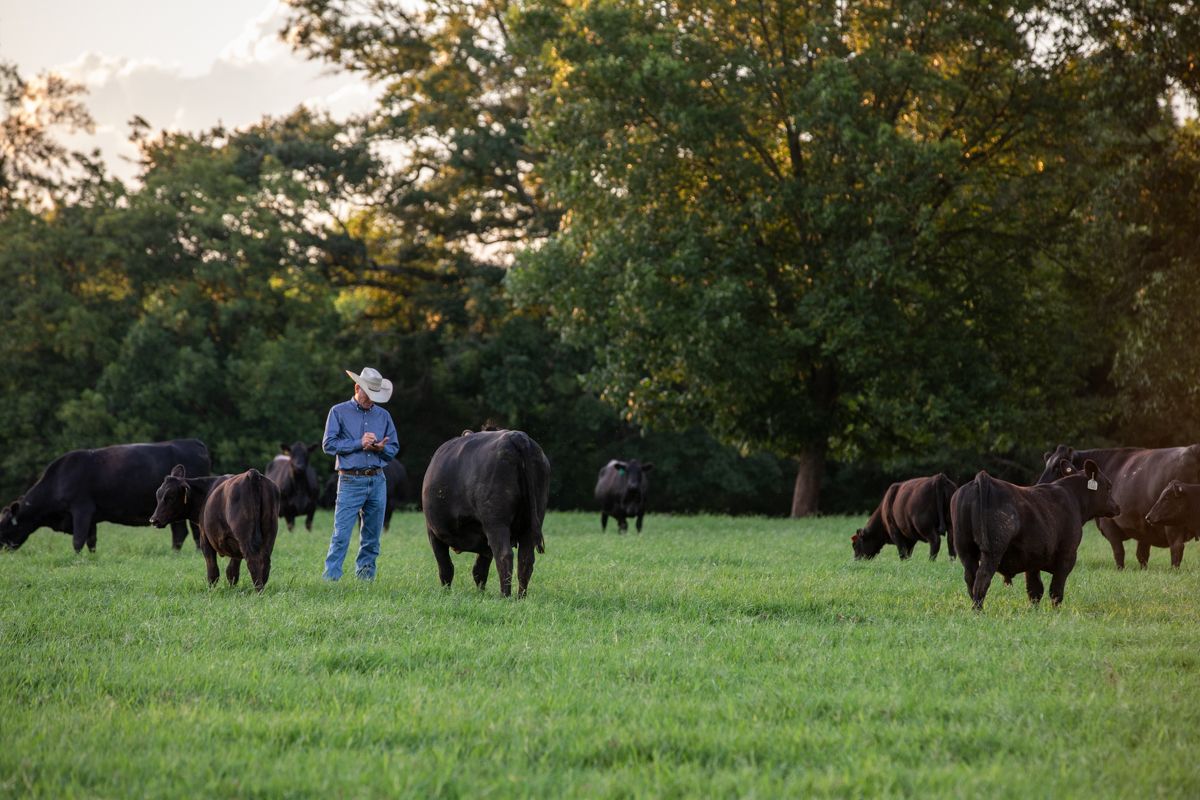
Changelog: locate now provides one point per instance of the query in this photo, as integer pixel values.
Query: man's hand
(368, 441)
(378, 446)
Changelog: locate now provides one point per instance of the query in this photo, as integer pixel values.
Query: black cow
(1139, 476)
(1000, 527)
(110, 484)
(621, 491)
(397, 490)
(293, 473)
(483, 493)
(238, 517)
(915, 510)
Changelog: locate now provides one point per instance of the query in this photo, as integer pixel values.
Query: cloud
(255, 75)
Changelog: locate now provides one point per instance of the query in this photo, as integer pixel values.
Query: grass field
(708, 656)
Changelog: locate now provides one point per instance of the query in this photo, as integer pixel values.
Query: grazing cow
(483, 493)
(110, 484)
(621, 491)
(293, 473)
(238, 517)
(915, 510)
(1138, 476)
(1000, 527)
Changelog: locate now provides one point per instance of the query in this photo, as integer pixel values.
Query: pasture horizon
(707, 656)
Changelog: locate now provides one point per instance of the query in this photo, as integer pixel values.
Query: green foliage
(709, 656)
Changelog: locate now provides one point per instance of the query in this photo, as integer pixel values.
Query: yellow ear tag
(1093, 485)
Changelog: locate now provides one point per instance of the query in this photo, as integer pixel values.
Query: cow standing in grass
(293, 473)
(109, 484)
(915, 510)
(238, 517)
(483, 493)
(621, 490)
(999, 527)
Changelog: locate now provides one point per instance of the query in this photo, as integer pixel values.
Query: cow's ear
(14, 507)
(1090, 469)
(285, 448)
(856, 536)
(178, 471)
(647, 467)
(1065, 467)
(1046, 457)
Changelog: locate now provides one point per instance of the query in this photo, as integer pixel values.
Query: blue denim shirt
(344, 429)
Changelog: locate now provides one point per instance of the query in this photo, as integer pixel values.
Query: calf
(1178, 506)
(1000, 527)
(621, 491)
(238, 516)
(483, 493)
(293, 473)
(1138, 476)
(915, 510)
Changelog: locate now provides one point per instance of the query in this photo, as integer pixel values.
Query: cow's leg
(308, 519)
(387, 517)
(178, 534)
(1033, 586)
(91, 539)
(483, 565)
(970, 563)
(983, 579)
(291, 520)
(603, 521)
(1110, 531)
(259, 567)
(525, 558)
(233, 570)
(441, 553)
(1176, 539)
(195, 533)
(81, 528)
(210, 561)
(500, 540)
(905, 548)
(621, 526)
(935, 544)
(1143, 554)
(639, 521)
(950, 547)
(266, 569)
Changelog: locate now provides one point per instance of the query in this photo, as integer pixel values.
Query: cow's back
(121, 480)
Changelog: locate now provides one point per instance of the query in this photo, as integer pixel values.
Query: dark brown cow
(915, 510)
(1000, 527)
(1139, 476)
(238, 517)
(293, 473)
(483, 493)
(1178, 506)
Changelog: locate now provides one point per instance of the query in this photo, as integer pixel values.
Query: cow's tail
(983, 486)
(259, 510)
(525, 466)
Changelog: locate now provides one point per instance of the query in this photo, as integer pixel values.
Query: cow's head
(1170, 507)
(1058, 464)
(172, 497)
(17, 521)
(865, 545)
(1099, 489)
(298, 452)
(636, 483)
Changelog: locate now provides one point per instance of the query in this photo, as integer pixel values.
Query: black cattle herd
(486, 492)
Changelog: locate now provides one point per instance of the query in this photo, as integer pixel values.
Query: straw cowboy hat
(375, 385)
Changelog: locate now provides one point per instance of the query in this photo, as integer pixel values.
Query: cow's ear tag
(1093, 484)
(621, 470)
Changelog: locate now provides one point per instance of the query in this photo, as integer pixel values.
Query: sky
(182, 65)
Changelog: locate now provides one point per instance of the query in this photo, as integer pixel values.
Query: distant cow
(621, 491)
(1138, 476)
(293, 473)
(1000, 527)
(238, 517)
(915, 510)
(483, 493)
(110, 484)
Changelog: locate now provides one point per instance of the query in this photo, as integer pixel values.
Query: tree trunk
(810, 470)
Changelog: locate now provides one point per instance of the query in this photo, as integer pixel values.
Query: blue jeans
(368, 494)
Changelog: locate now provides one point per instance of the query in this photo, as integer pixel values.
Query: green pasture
(708, 656)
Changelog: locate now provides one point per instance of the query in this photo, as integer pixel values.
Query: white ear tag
(1093, 485)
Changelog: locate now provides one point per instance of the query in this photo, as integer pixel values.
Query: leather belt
(364, 472)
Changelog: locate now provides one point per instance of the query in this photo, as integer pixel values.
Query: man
(362, 437)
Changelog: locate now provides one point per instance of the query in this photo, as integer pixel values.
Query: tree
(830, 228)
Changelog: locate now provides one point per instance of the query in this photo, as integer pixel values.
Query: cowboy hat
(375, 385)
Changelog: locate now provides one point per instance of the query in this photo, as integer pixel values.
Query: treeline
(787, 251)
